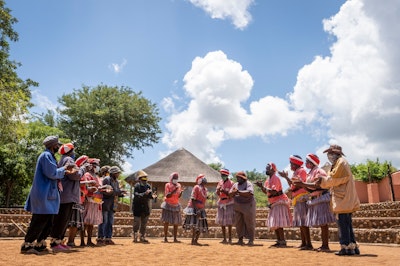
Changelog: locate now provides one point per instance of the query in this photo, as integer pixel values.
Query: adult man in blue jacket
(44, 197)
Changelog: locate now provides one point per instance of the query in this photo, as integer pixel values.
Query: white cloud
(127, 168)
(356, 90)
(218, 87)
(117, 68)
(42, 102)
(353, 93)
(236, 10)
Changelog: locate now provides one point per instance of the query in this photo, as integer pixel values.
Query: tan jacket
(341, 181)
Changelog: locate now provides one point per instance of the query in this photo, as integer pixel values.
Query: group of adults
(318, 198)
(75, 194)
(79, 194)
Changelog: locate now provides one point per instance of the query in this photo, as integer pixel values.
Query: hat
(50, 141)
(296, 159)
(224, 171)
(335, 149)
(241, 174)
(174, 175)
(114, 170)
(273, 166)
(94, 161)
(81, 160)
(65, 148)
(104, 169)
(141, 175)
(313, 158)
(200, 176)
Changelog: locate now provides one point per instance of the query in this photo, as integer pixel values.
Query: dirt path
(212, 253)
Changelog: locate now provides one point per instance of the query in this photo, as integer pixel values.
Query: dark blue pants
(345, 226)
(106, 228)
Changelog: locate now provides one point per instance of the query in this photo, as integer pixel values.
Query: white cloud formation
(42, 102)
(354, 93)
(117, 68)
(218, 87)
(356, 89)
(236, 10)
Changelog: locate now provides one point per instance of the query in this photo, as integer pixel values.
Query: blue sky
(240, 82)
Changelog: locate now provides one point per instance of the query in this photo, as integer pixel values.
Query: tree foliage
(18, 162)
(109, 123)
(371, 171)
(15, 95)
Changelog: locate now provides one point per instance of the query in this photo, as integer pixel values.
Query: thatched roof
(182, 161)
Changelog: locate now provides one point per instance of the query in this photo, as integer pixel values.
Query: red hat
(65, 148)
(94, 161)
(81, 160)
(273, 166)
(224, 171)
(313, 158)
(296, 159)
(200, 176)
(242, 175)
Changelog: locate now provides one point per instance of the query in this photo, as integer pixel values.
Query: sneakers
(144, 240)
(60, 248)
(28, 248)
(346, 250)
(109, 242)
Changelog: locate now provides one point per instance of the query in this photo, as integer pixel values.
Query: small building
(188, 167)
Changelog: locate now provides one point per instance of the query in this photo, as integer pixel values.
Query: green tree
(15, 95)
(18, 162)
(371, 171)
(216, 166)
(109, 122)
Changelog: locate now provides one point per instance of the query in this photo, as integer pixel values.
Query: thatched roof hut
(184, 163)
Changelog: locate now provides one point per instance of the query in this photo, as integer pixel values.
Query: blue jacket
(44, 197)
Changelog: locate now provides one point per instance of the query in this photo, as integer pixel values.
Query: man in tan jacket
(344, 198)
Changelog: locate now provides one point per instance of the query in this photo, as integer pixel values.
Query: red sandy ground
(212, 253)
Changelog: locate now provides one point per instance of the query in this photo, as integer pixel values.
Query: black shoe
(342, 252)
(357, 251)
(28, 249)
(350, 252)
(40, 248)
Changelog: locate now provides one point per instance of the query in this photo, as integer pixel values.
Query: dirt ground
(211, 253)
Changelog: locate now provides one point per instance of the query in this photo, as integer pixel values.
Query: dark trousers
(39, 228)
(61, 220)
(140, 223)
(346, 233)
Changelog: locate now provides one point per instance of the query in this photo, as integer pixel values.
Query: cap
(114, 170)
(50, 141)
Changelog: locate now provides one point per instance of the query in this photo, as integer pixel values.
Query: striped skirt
(279, 215)
(225, 215)
(196, 221)
(300, 214)
(171, 213)
(319, 211)
(92, 214)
